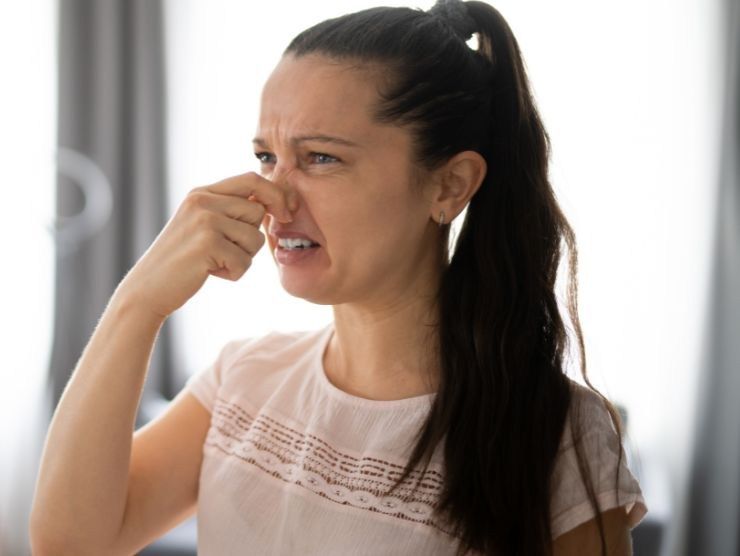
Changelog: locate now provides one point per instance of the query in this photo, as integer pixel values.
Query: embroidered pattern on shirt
(310, 462)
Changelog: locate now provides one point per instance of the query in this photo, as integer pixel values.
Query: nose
(283, 177)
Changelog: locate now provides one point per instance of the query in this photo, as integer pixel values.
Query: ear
(455, 184)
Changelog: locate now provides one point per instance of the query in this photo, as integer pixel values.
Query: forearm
(81, 489)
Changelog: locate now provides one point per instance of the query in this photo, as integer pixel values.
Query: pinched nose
(281, 178)
(292, 200)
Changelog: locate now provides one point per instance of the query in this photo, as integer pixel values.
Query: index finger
(252, 186)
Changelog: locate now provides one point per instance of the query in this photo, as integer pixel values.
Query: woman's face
(351, 178)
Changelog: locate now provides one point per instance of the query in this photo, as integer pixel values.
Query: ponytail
(501, 325)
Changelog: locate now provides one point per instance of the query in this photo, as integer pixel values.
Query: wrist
(126, 304)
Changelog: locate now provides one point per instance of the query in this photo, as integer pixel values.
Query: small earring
(441, 218)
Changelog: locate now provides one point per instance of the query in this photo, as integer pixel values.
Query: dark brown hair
(504, 397)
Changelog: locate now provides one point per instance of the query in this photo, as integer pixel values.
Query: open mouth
(296, 252)
(296, 244)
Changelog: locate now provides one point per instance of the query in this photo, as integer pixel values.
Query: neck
(387, 351)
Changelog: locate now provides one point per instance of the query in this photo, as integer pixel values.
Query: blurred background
(112, 110)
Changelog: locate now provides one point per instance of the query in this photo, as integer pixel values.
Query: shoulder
(275, 345)
(598, 446)
(243, 361)
(586, 539)
(589, 411)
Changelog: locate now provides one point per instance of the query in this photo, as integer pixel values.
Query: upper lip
(290, 234)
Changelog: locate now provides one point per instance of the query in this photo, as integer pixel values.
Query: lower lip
(294, 256)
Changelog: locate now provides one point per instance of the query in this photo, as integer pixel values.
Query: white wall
(631, 98)
(27, 143)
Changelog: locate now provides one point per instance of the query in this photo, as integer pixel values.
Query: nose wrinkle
(291, 196)
(281, 177)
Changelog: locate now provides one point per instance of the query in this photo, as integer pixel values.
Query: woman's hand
(215, 230)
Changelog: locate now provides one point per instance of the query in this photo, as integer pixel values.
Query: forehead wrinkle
(317, 97)
(317, 137)
(330, 115)
(292, 131)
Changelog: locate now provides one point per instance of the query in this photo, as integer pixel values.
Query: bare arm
(92, 496)
(585, 538)
(81, 490)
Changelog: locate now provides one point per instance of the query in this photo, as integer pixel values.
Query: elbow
(47, 542)
(46, 546)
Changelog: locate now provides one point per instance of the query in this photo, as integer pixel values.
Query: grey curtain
(111, 183)
(714, 499)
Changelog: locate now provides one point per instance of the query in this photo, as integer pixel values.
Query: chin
(302, 283)
(305, 290)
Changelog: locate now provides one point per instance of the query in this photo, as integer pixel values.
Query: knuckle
(199, 191)
(195, 199)
(260, 211)
(261, 239)
(252, 240)
(205, 240)
(205, 219)
(240, 268)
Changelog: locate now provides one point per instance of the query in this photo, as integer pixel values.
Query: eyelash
(260, 155)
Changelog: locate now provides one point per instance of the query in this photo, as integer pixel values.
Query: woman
(433, 416)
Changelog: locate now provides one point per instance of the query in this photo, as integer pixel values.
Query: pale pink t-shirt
(294, 465)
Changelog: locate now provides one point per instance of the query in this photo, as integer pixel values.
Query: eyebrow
(318, 138)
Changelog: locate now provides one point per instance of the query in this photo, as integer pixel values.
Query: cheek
(368, 225)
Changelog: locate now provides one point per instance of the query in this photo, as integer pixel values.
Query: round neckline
(421, 401)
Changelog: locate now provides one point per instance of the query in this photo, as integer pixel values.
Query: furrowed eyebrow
(318, 138)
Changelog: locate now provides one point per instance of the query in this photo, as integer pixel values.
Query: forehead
(315, 93)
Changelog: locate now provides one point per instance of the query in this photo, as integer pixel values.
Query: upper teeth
(291, 243)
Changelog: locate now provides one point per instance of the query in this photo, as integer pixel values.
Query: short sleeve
(570, 504)
(205, 384)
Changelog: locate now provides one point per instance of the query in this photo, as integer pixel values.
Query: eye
(265, 157)
(322, 158)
